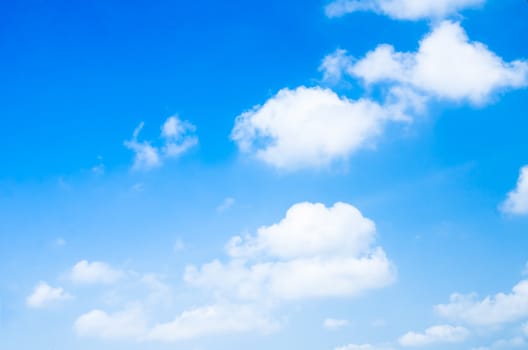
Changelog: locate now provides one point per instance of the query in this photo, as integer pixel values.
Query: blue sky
(346, 175)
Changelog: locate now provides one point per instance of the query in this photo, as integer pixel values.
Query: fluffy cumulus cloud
(310, 127)
(402, 9)
(517, 200)
(314, 252)
(177, 136)
(85, 272)
(447, 66)
(490, 311)
(44, 295)
(434, 335)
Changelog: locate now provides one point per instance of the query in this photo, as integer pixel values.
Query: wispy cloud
(402, 9)
(177, 136)
(227, 203)
(435, 335)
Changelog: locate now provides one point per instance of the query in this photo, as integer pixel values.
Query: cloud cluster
(314, 127)
(490, 311)
(314, 252)
(310, 127)
(446, 66)
(516, 202)
(481, 317)
(402, 9)
(177, 135)
(44, 295)
(317, 251)
(435, 335)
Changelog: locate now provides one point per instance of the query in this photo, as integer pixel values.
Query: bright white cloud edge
(516, 202)
(491, 311)
(446, 66)
(402, 9)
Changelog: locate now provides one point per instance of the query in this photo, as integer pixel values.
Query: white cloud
(85, 272)
(226, 204)
(43, 295)
(146, 156)
(337, 257)
(314, 127)
(402, 9)
(434, 335)
(525, 329)
(334, 324)
(178, 137)
(313, 252)
(490, 311)
(446, 66)
(517, 200)
(132, 323)
(310, 230)
(128, 324)
(211, 320)
(309, 127)
(334, 65)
